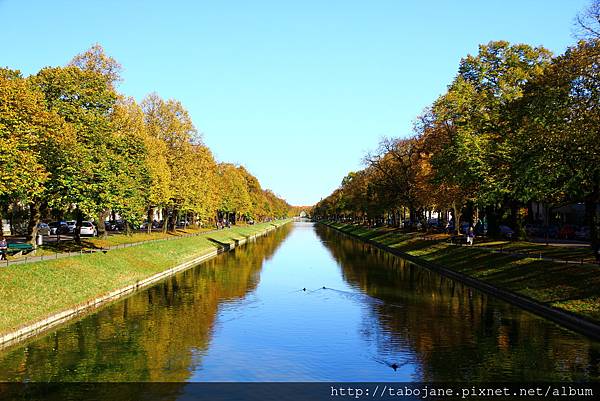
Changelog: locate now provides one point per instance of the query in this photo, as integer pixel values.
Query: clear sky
(296, 91)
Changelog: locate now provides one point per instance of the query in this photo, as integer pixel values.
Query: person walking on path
(3, 248)
(470, 236)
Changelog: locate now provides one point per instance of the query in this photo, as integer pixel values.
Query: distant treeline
(516, 126)
(70, 144)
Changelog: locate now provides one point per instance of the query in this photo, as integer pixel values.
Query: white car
(88, 228)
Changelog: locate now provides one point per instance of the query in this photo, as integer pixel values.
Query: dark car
(583, 233)
(114, 225)
(552, 231)
(506, 231)
(534, 230)
(43, 229)
(58, 228)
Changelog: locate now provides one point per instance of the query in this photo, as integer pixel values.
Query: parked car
(58, 228)
(534, 230)
(552, 231)
(114, 225)
(71, 224)
(434, 222)
(405, 223)
(507, 231)
(583, 233)
(88, 229)
(43, 229)
(566, 232)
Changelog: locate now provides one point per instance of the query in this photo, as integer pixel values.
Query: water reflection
(456, 333)
(153, 335)
(305, 303)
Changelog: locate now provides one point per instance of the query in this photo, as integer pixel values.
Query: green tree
(559, 135)
(85, 100)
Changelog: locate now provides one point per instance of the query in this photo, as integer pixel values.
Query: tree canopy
(70, 143)
(515, 126)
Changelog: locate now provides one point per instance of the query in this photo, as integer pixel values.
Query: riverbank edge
(566, 319)
(56, 319)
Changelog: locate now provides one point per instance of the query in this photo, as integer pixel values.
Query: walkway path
(534, 253)
(60, 255)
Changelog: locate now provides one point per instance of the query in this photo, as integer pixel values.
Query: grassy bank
(112, 239)
(33, 291)
(571, 287)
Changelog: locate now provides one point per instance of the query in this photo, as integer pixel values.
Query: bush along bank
(568, 294)
(37, 296)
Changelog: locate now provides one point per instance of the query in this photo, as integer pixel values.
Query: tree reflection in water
(456, 333)
(378, 318)
(158, 334)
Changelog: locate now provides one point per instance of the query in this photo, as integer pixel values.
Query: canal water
(306, 303)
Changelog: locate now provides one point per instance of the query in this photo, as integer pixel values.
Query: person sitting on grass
(3, 248)
(470, 236)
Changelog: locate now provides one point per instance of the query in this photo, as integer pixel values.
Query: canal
(306, 303)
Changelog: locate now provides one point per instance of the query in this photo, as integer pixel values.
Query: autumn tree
(169, 122)
(127, 156)
(96, 60)
(32, 139)
(234, 199)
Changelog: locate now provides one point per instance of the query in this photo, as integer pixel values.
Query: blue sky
(296, 91)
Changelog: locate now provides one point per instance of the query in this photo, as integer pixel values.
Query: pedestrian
(3, 248)
(470, 236)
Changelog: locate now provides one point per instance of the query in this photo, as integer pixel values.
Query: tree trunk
(456, 211)
(492, 220)
(469, 212)
(173, 220)
(150, 219)
(13, 217)
(530, 216)
(101, 225)
(513, 221)
(32, 225)
(77, 232)
(165, 220)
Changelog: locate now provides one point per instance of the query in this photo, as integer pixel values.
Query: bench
(16, 248)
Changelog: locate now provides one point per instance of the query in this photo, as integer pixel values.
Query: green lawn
(30, 292)
(572, 287)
